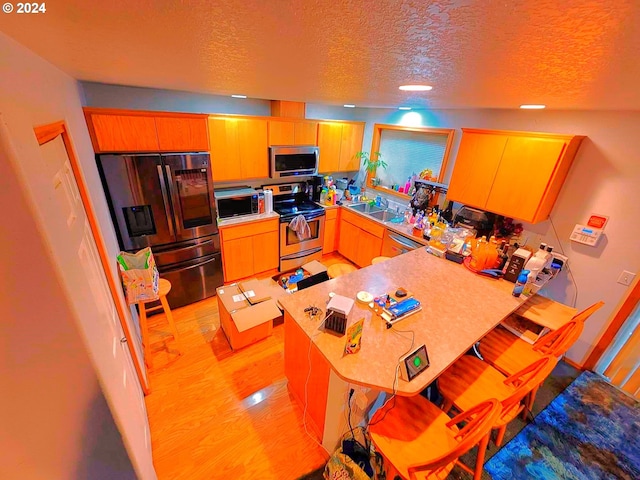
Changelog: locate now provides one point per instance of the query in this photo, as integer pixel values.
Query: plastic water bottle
(520, 283)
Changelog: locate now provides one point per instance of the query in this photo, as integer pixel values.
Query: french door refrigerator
(166, 202)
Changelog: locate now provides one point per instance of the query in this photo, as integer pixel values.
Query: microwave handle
(165, 200)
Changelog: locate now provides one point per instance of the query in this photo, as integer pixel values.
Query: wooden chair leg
(482, 450)
(167, 311)
(500, 435)
(532, 398)
(446, 405)
(144, 331)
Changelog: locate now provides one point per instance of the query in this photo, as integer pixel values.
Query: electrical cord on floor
(397, 374)
(573, 279)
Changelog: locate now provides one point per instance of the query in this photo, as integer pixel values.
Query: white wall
(32, 93)
(604, 179)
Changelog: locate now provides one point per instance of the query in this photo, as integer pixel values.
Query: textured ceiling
(483, 53)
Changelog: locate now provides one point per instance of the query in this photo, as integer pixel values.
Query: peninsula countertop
(459, 308)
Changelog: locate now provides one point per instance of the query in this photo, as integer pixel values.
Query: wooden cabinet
(360, 238)
(249, 248)
(284, 132)
(338, 142)
(177, 134)
(516, 174)
(331, 230)
(123, 131)
(239, 148)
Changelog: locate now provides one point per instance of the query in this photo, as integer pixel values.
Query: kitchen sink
(366, 208)
(386, 215)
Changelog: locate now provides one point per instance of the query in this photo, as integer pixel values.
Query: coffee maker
(314, 188)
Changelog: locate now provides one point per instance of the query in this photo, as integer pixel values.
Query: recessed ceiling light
(404, 108)
(239, 96)
(415, 88)
(349, 105)
(532, 107)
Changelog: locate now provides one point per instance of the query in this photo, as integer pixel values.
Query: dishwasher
(394, 244)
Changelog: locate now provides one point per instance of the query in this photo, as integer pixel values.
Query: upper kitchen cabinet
(182, 134)
(515, 174)
(239, 148)
(123, 131)
(287, 132)
(338, 143)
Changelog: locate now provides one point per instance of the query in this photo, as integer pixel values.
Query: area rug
(590, 431)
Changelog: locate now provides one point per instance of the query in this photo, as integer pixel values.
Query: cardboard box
(247, 311)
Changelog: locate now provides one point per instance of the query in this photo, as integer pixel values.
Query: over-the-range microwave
(293, 160)
(235, 202)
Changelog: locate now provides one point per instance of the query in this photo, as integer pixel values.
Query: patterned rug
(590, 431)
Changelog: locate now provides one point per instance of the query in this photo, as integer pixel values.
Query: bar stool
(338, 269)
(164, 286)
(379, 259)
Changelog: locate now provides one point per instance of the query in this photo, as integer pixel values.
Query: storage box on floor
(248, 310)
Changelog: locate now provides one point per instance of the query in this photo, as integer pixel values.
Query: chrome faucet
(384, 203)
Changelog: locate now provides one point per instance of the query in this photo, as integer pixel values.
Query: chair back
(527, 379)
(478, 423)
(557, 342)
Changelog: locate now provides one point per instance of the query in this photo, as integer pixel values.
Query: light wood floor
(218, 414)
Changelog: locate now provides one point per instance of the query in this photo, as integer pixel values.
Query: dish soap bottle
(520, 283)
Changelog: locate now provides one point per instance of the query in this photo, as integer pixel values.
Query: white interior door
(84, 279)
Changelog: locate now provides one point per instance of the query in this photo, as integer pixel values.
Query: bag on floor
(354, 459)
(139, 275)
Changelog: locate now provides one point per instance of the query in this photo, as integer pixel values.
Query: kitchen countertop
(226, 222)
(459, 308)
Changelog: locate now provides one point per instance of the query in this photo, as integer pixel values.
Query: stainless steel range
(291, 200)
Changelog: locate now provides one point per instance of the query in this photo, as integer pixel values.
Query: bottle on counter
(520, 283)
(407, 186)
(261, 202)
(323, 195)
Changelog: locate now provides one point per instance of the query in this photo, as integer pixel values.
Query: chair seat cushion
(471, 381)
(413, 432)
(506, 352)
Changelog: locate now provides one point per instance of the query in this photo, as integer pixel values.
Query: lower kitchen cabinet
(331, 231)
(360, 239)
(249, 249)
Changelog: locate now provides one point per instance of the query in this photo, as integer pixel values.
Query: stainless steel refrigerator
(166, 202)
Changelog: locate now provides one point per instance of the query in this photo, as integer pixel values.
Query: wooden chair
(509, 354)
(164, 286)
(470, 381)
(418, 440)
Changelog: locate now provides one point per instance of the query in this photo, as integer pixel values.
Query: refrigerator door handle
(165, 200)
(176, 200)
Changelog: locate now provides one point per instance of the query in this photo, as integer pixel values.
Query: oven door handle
(313, 216)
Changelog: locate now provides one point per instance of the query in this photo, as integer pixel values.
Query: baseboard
(573, 364)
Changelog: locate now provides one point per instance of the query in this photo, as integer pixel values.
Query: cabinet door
(266, 252)
(124, 133)
(351, 143)
(237, 257)
(281, 133)
(254, 148)
(526, 168)
(225, 154)
(182, 134)
(329, 242)
(348, 243)
(475, 168)
(369, 247)
(306, 133)
(329, 142)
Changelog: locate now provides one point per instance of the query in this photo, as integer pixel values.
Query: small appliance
(293, 160)
(516, 264)
(477, 219)
(238, 201)
(314, 188)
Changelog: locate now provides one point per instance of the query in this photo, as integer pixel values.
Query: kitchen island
(458, 308)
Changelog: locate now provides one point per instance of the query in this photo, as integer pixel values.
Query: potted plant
(371, 161)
